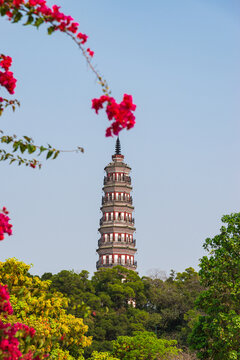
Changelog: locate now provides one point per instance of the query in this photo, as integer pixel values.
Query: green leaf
(56, 154)
(15, 146)
(51, 29)
(49, 154)
(17, 17)
(27, 138)
(3, 10)
(41, 149)
(38, 22)
(22, 147)
(31, 148)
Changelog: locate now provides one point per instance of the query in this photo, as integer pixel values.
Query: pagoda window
(116, 236)
(122, 176)
(104, 259)
(121, 196)
(106, 237)
(127, 237)
(123, 237)
(122, 216)
(111, 215)
(107, 216)
(117, 176)
(115, 259)
(111, 237)
(112, 196)
(119, 237)
(110, 259)
(123, 259)
(116, 196)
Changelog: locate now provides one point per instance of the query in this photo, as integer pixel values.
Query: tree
(37, 307)
(163, 307)
(105, 299)
(16, 340)
(216, 335)
(102, 356)
(169, 301)
(144, 346)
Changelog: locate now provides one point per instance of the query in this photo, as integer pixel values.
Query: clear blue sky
(180, 61)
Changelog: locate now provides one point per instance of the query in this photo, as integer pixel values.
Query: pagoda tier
(116, 245)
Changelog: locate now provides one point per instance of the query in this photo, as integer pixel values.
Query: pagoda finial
(118, 147)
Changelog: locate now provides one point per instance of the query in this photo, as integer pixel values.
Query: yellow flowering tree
(58, 334)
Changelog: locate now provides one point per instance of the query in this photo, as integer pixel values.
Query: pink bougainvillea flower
(8, 81)
(90, 52)
(121, 114)
(18, 3)
(82, 37)
(6, 62)
(5, 226)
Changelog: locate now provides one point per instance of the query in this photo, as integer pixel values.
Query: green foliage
(26, 145)
(102, 356)
(217, 333)
(103, 301)
(168, 302)
(6, 103)
(144, 346)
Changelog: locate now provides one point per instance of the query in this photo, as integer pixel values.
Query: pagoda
(116, 245)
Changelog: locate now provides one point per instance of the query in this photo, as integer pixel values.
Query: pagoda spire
(118, 147)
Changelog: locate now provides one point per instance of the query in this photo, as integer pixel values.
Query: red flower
(73, 28)
(82, 37)
(122, 113)
(8, 81)
(33, 2)
(9, 14)
(6, 62)
(5, 227)
(17, 3)
(90, 52)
